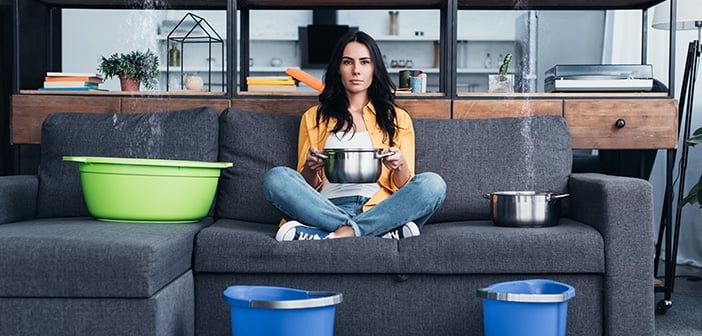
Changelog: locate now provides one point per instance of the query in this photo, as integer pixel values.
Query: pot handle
(384, 155)
(487, 196)
(552, 197)
(320, 155)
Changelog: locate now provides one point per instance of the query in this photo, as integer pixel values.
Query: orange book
(91, 79)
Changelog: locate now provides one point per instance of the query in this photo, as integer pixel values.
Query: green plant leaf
(695, 139)
(691, 197)
(694, 195)
(505, 64)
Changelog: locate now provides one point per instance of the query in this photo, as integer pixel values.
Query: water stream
(526, 125)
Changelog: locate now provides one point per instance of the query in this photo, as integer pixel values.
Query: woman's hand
(312, 162)
(398, 164)
(395, 161)
(312, 165)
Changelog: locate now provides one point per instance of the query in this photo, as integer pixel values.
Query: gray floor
(685, 316)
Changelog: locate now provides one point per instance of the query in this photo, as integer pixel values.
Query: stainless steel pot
(353, 165)
(525, 208)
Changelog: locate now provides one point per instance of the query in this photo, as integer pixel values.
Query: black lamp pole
(684, 109)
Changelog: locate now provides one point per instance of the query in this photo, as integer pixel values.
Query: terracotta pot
(128, 83)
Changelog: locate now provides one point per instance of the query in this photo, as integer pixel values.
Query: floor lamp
(689, 17)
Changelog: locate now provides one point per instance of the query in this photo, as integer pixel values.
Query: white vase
(501, 83)
(194, 83)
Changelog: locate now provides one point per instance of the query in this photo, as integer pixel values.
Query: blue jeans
(416, 201)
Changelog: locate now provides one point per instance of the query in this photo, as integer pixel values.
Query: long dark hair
(334, 102)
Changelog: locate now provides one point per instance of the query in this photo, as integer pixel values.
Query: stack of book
(70, 81)
(271, 84)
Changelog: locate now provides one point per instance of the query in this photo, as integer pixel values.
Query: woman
(356, 110)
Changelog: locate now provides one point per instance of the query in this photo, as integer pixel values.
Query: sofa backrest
(255, 143)
(473, 157)
(478, 156)
(177, 135)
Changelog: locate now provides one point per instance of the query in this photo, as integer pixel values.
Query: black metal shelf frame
(39, 23)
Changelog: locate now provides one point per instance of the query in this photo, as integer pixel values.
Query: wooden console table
(597, 121)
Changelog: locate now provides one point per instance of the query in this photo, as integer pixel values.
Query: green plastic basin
(148, 190)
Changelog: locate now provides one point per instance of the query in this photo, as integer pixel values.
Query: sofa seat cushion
(480, 247)
(176, 135)
(474, 247)
(232, 246)
(81, 257)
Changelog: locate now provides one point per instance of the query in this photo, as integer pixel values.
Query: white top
(349, 140)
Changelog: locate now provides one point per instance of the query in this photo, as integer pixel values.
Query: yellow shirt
(311, 135)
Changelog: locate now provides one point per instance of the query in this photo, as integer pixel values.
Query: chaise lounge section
(64, 273)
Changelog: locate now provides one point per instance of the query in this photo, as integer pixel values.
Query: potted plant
(502, 82)
(133, 69)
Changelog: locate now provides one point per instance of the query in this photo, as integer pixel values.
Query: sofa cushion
(182, 135)
(81, 257)
(255, 142)
(488, 155)
(232, 246)
(473, 247)
(480, 247)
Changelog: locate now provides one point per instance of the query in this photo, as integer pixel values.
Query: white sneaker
(294, 230)
(408, 230)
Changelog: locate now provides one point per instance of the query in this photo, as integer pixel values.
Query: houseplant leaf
(694, 196)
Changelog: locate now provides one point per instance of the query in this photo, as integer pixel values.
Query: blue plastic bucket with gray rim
(526, 308)
(280, 311)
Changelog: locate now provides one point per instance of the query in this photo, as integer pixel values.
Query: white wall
(90, 34)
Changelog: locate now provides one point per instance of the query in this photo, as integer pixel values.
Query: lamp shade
(689, 11)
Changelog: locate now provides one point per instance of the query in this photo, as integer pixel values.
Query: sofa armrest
(18, 198)
(621, 209)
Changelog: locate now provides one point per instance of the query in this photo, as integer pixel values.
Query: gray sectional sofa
(64, 273)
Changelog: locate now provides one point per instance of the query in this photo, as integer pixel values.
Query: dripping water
(526, 128)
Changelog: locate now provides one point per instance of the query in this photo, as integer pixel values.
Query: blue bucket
(279, 311)
(526, 308)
